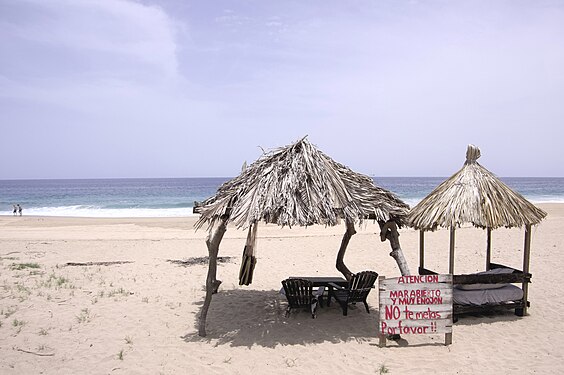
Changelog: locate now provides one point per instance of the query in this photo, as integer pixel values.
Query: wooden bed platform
(517, 276)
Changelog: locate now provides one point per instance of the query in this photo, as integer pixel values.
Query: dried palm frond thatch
(300, 185)
(474, 195)
(295, 185)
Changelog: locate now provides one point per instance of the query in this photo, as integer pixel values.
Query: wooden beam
(526, 261)
(381, 335)
(248, 261)
(488, 248)
(500, 278)
(421, 249)
(448, 338)
(451, 252)
(340, 264)
(470, 309)
(389, 231)
(212, 242)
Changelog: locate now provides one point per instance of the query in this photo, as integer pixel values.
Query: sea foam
(92, 211)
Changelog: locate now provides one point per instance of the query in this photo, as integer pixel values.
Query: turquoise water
(107, 197)
(174, 197)
(535, 189)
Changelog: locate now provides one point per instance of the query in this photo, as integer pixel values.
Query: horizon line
(222, 177)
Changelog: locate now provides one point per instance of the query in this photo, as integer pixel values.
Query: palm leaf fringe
(474, 195)
(300, 185)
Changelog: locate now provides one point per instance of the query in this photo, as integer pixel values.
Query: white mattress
(487, 296)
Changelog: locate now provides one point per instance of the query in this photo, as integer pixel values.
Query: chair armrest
(319, 292)
(333, 285)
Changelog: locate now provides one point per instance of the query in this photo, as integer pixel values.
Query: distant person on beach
(15, 209)
(19, 209)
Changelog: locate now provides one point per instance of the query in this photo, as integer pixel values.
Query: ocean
(174, 197)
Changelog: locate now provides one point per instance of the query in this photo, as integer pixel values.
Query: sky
(182, 88)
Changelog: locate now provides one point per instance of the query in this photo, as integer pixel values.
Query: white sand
(141, 317)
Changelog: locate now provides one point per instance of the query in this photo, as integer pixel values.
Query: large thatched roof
(474, 195)
(300, 185)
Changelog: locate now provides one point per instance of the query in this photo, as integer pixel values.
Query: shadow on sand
(256, 317)
(487, 318)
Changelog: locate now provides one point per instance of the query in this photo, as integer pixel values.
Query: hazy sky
(179, 88)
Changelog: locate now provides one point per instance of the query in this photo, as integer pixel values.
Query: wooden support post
(389, 231)
(451, 256)
(381, 335)
(340, 264)
(212, 242)
(448, 338)
(526, 261)
(421, 249)
(382, 340)
(248, 261)
(488, 248)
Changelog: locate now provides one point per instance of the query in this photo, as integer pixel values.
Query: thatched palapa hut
(474, 195)
(295, 185)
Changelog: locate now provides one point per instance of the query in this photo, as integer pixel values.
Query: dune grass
(23, 266)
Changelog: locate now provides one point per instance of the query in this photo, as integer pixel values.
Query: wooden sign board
(415, 305)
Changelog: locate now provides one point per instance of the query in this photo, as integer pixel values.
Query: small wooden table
(318, 281)
(324, 281)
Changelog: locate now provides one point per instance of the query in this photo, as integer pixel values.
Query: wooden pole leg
(212, 283)
(382, 340)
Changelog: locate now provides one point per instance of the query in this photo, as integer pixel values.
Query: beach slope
(121, 296)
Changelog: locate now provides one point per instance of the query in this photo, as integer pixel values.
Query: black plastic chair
(299, 293)
(357, 291)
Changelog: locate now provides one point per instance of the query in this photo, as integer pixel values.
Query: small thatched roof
(300, 185)
(474, 195)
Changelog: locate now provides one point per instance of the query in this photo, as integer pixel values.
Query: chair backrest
(360, 285)
(299, 292)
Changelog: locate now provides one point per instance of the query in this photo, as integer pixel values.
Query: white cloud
(116, 57)
(115, 31)
(362, 78)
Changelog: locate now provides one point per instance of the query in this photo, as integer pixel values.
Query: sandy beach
(135, 310)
